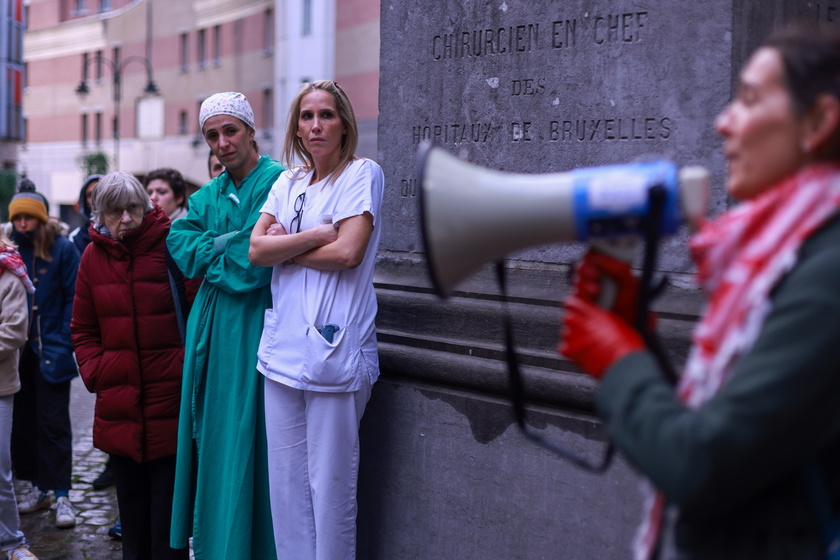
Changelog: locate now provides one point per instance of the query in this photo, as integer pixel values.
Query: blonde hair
(294, 149)
(5, 241)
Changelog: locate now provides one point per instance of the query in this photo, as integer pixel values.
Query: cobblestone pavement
(96, 510)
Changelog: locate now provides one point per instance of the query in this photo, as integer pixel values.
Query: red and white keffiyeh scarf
(740, 257)
(11, 260)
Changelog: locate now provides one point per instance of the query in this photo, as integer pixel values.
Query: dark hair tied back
(810, 55)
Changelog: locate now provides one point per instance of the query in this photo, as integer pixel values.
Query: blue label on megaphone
(614, 201)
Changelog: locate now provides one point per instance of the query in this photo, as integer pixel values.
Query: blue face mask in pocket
(328, 331)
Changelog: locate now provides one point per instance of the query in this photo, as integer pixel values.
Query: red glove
(594, 338)
(594, 269)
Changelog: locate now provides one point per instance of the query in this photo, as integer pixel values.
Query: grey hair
(117, 189)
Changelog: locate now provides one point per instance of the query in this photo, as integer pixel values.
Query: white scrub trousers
(313, 468)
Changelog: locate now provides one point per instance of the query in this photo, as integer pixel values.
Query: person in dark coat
(80, 236)
(42, 440)
(128, 343)
(167, 188)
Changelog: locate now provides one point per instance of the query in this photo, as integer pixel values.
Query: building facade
(126, 78)
(329, 40)
(11, 81)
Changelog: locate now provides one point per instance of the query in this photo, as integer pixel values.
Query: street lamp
(117, 70)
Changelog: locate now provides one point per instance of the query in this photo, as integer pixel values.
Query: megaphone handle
(656, 198)
(609, 291)
(620, 248)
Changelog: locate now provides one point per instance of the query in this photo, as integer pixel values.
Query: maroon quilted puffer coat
(127, 342)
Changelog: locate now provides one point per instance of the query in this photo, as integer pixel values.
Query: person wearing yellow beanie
(41, 442)
(29, 212)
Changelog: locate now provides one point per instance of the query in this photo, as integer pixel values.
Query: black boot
(106, 478)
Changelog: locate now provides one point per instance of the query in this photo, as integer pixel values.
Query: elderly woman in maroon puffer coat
(125, 331)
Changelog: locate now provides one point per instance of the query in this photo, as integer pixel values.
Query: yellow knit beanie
(28, 203)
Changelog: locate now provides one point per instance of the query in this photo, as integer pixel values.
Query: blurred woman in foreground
(745, 455)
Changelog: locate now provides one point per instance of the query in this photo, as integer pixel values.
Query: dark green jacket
(735, 466)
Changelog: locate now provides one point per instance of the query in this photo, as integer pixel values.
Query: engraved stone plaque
(546, 86)
(530, 86)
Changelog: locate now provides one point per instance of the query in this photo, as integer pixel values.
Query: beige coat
(14, 322)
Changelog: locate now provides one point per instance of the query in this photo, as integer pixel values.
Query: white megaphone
(471, 215)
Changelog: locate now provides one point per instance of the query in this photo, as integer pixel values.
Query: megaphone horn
(471, 215)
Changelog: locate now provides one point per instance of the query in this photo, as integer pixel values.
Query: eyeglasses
(134, 210)
(298, 211)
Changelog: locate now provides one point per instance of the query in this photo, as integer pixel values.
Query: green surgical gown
(221, 479)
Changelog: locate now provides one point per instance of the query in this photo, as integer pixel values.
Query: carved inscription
(521, 131)
(486, 42)
(528, 86)
(408, 188)
(627, 129)
(591, 30)
(623, 28)
(563, 33)
(454, 133)
(593, 130)
(607, 129)
(595, 29)
(566, 130)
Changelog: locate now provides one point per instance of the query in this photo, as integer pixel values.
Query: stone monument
(526, 86)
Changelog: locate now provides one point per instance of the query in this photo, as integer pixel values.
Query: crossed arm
(325, 247)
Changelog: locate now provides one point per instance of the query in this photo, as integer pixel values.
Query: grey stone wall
(527, 87)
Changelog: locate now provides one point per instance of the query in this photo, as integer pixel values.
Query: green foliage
(8, 183)
(96, 162)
